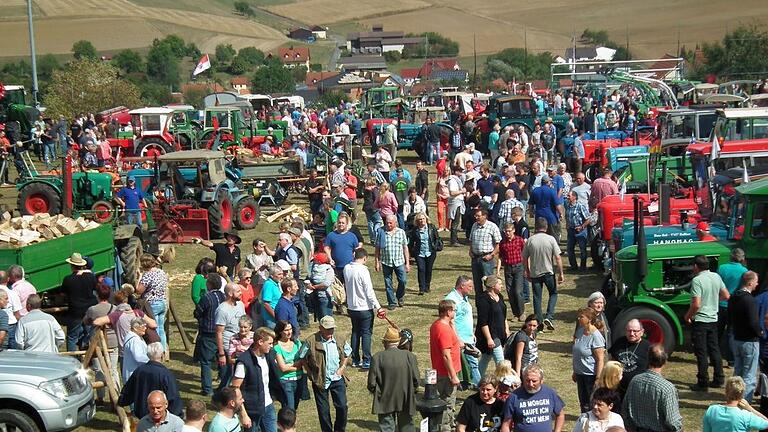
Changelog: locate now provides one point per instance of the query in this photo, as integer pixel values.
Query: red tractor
(151, 133)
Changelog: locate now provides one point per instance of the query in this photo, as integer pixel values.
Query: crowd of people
(267, 316)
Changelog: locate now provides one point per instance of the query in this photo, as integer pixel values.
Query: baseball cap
(327, 322)
(283, 264)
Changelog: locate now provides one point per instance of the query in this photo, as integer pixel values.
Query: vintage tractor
(195, 197)
(226, 125)
(15, 115)
(184, 127)
(652, 282)
(520, 110)
(374, 99)
(151, 133)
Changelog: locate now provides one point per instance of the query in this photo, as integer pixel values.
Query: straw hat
(76, 260)
(391, 336)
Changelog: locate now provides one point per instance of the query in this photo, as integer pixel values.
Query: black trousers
(706, 348)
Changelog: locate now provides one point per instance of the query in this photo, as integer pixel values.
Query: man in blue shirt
(544, 200)
(731, 274)
(533, 407)
(577, 152)
(130, 198)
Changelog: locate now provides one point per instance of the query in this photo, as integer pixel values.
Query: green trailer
(44, 263)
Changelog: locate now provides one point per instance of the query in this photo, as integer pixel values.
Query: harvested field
(121, 24)
(654, 29)
(329, 11)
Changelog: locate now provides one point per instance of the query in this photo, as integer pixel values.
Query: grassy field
(418, 313)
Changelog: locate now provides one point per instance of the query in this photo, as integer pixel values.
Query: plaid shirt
(205, 312)
(377, 176)
(505, 211)
(576, 214)
(484, 238)
(391, 247)
(511, 251)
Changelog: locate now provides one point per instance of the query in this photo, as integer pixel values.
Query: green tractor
(184, 127)
(15, 115)
(518, 110)
(374, 101)
(234, 127)
(651, 283)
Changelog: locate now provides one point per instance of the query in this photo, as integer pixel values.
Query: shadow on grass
(366, 424)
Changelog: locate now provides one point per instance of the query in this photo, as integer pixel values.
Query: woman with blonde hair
(588, 355)
(423, 244)
(736, 414)
(610, 376)
(153, 288)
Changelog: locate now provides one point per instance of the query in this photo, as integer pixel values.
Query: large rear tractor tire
(39, 198)
(103, 212)
(130, 253)
(658, 329)
(247, 213)
(151, 147)
(220, 214)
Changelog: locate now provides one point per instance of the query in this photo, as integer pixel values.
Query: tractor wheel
(247, 213)
(592, 172)
(220, 214)
(39, 198)
(130, 253)
(185, 142)
(658, 329)
(103, 212)
(151, 147)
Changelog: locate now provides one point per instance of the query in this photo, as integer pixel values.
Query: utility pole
(474, 53)
(32, 53)
(627, 41)
(525, 45)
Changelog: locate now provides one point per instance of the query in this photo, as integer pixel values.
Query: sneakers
(548, 324)
(400, 302)
(365, 365)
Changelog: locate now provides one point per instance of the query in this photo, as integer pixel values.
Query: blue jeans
(573, 239)
(338, 392)
(292, 391)
(63, 145)
(75, 334)
(266, 422)
(497, 355)
(300, 302)
(481, 268)
(399, 271)
(10, 338)
(49, 154)
(362, 329)
(133, 217)
(433, 152)
(474, 370)
(424, 266)
(322, 304)
(205, 354)
(746, 357)
(538, 286)
(514, 275)
(374, 224)
(159, 310)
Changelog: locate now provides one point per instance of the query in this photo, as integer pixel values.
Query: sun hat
(76, 260)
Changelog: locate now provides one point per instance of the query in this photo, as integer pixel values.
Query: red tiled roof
(433, 65)
(293, 54)
(663, 64)
(240, 81)
(314, 77)
(410, 73)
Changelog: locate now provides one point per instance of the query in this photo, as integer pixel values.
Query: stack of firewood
(24, 230)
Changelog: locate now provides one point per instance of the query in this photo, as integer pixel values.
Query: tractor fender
(124, 232)
(54, 182)
(665, 310)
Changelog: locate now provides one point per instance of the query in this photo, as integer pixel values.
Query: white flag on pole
(715, 149)
(745, 174)
(203, 65)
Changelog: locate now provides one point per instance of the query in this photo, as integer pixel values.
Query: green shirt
(221, 423)
(706, 285)
(731, 274)
(289, 358)
(198, 288)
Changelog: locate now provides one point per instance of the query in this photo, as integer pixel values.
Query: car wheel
(16, 421)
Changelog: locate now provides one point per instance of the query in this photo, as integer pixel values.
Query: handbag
(438, 242)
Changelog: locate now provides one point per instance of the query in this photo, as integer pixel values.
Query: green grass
(418, 313)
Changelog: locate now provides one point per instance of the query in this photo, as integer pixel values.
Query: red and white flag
(203, 65)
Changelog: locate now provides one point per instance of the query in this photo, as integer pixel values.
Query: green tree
(252, 55)
(299, 74)
(175, 43)
(239, 66)
(128, 60)
(193, 51)
(194, 96)
(273, 78)
(392, 56)
(743, 53)
(601, 38)
(437, 46)
(163, 65)
(332, 98)
(224, 54)
(243, 8)
(84, 49)
(522, 65)
(88, 85)
(316, 67)
(153, 94)
(46, 65)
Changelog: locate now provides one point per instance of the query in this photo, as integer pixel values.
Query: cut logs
(24, 230)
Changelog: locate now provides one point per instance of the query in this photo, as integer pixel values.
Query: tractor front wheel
(103, 212)
(220, 214)
(39, 198)
(658, 329)
(152, 147)
(247, 213)
(130, 253)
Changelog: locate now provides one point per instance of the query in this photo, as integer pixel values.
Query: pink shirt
(24, 289)
(387, 204)
(238, 344)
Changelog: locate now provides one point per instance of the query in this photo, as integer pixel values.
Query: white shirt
(14, 304)
(265, 379)
(359, 287)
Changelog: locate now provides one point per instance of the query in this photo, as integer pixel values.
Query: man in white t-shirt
(196, 415)
(257, 377)
(456, 193)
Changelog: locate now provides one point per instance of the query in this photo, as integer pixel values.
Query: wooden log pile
(24, 230)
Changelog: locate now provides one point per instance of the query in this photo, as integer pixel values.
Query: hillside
(651, 27)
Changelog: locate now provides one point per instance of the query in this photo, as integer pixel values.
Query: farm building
(378, 41)
(302, 34)
(319, 32)
(240, 84)
(362, 63)
(294, 56)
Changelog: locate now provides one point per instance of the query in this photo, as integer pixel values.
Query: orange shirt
(443, 336)
(246, 296)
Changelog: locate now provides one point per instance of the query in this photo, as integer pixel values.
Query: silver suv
(43, 392)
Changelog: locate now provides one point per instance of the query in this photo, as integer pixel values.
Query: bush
(437, 46)
(392, 56)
